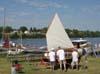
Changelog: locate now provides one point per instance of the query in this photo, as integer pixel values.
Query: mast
(21, 38)
(5, 35)
(3, 29)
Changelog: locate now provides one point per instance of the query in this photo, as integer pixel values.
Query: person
(74, 59)
(13, 69)
(85, 54)
(52, 58)
(18, 67)
(61, 58)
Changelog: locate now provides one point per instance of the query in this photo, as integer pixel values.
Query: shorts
(52, 63)
(74, 63)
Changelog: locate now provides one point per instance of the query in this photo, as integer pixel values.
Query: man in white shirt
(74, 58)
(61, 57)
(52, 58)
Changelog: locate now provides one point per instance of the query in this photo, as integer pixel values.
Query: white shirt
(13, 70)
(75, 56)
(13, 44)
(61, 54)
(51, 56)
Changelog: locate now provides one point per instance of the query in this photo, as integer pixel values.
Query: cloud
(18, 14)
(9, 20)
(22, 1)
(17, 18)
(1, 8)
(96, 8)
(91, 10)
(24, 13)
(47, 5)
(42, 4)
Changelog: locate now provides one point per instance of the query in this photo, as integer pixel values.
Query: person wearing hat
(52, 58)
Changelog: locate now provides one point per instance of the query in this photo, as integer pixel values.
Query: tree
(44, 30)
(23, 28)
(8, 29)
(31, 30)
(1, 29)
(34, 29)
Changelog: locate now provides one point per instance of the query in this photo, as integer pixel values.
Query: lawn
(33, 68)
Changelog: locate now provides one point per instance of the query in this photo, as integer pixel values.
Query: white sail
(56, 35)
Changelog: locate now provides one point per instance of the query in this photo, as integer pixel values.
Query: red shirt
(18, 67)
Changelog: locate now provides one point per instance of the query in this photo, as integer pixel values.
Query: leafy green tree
(44, 30)
(23, 28)
(15, 36)
(31, 30)
(8, 29)
(1, 29)
(34, 29)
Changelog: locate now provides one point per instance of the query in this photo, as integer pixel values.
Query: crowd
(60, 55)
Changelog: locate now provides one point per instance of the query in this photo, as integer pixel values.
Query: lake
(42, 42)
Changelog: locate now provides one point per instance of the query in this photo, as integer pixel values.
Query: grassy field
(33, 68)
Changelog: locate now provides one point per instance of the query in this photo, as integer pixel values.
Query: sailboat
(56, 35)
(6, 44)
(5, 35)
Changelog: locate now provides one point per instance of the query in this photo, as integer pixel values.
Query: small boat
(81, 42)
(56, 36)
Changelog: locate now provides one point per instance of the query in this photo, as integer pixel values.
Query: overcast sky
(74, 14)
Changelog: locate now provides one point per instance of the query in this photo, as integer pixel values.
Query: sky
(74, 14)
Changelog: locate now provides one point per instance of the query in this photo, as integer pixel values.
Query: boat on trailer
(56, 36)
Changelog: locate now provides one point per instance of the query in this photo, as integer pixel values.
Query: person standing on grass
(61, 58)
(75, 56)
(13, 69)
(85, 55)
(52, 58)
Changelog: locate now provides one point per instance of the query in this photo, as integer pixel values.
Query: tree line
(34, 32)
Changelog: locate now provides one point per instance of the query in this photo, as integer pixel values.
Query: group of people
(60, 55)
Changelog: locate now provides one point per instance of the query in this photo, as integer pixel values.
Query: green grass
(33, 68)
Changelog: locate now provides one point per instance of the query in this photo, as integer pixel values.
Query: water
(92, 40)
(42, 42)
(31, 42)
